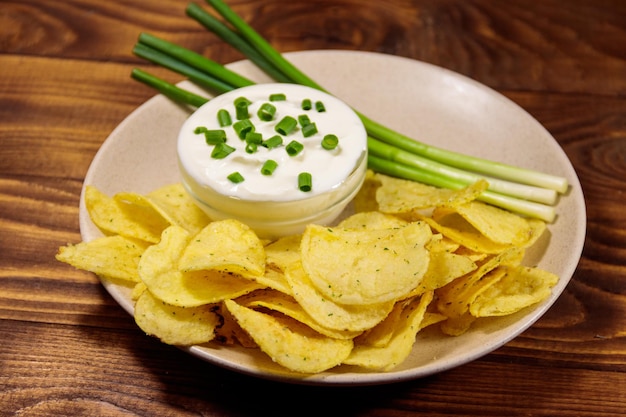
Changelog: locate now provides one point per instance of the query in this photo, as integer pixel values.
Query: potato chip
(496, 224)
(401, 343)
(380, 335)
(116, 257)
(275, 280)
(289, 342)
(110, 217)
(283, 252)
(227, 246)
(371, 220)
(282, 303)
(176, 205)
(330, 314)
(455, 299)
(399, 196)
(519, 288)
(365, 267)
(160, 272)
(175, 325)
(444, 267)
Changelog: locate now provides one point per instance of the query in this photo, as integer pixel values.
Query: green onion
(330, 142)
(221, 151)
(278, 97)
(319, 106)
(309, 130)
(168, 90)
(223, 118)
(241, 108)
(273, 142)
(236, 177)
(286, 125)
(251, 147)
(304, 120)
(306, 104)
(200, 129)
(294, 147)
(269, 167)
(254, 137)
(305, 181)
(266, 112)
(214, 136)
(243, 127)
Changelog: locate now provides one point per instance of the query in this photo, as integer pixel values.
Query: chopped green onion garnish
(286, 125)
(243, 127)
(294, 148)
(306, 104)
(266, 112)
(241, 108)
(278, 97)
(309, 130)
(200, 129)
(304, 120)
(273, 142)
(223, 118)
(305, 182)
(254, 137)
(269, 167)
(251, 147)
(330, 142)
(221, 151)
(319, 106)
(213, 137)
(236, 177)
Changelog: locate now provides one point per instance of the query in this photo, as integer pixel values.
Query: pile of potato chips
(357, 293)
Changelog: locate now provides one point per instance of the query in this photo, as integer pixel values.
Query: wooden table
(68, 349)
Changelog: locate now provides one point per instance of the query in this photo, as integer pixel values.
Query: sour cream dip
(236, 181)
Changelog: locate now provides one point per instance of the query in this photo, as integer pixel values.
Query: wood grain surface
(68, 349)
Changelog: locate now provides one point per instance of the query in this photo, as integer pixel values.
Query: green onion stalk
(520, 190)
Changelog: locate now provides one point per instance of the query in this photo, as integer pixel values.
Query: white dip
(273, 204)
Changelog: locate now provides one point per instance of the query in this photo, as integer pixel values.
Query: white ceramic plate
(428, 103)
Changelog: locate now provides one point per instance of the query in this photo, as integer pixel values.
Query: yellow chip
(175, 325)
(454, 299)
(175, 205)
(357, 267)
(288, 306)
(371, 220)
(330, 314)
(228, 246)
(380, 335)
(275, 280)
(399, 196)
(444, 267)
(519, 288)
(497, 225)
(116, 257)
(401, 343)
(109, 216)
(140, 211)
(159, 270)
(283, 252)
(289, 342)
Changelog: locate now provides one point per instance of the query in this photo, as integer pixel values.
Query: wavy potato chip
(289, 342)
(283, 252)
(175, 325)
(401, 342)
(178, 208)
(288, 306)
(362, 267)
(399, 196)
(116, 257)
(115, 216)
(227, 246)
(160, 271)
(330, 314)
(519, 288)
(365, 199)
